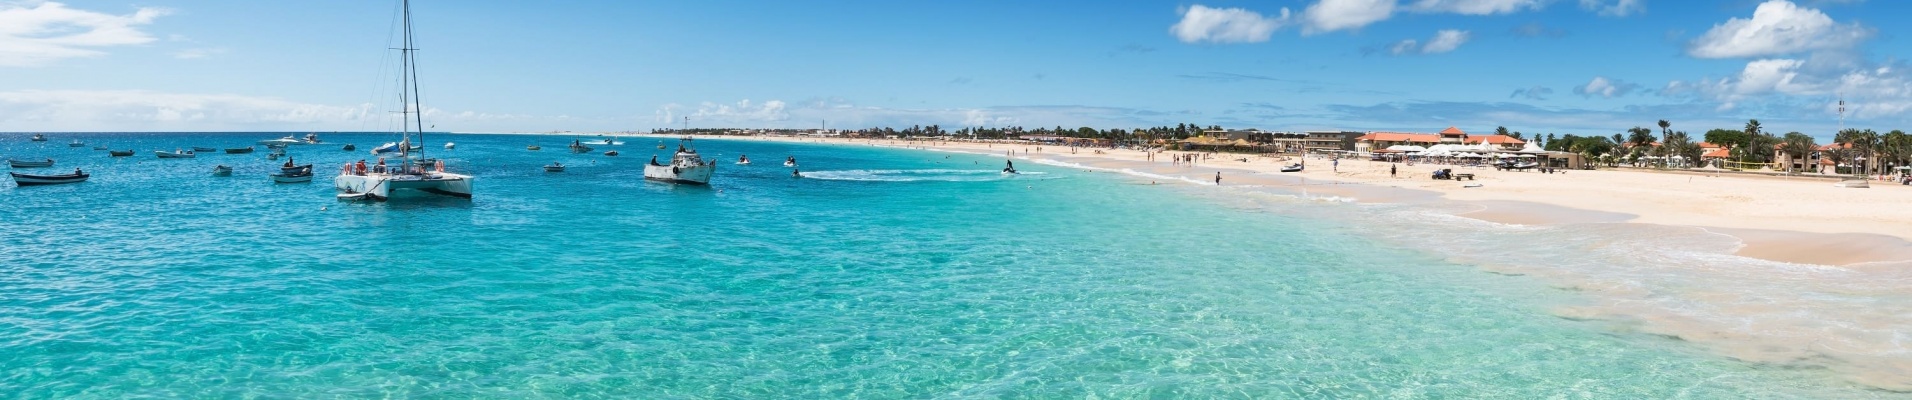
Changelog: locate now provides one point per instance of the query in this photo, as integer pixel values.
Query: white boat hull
(163, 154)
(384, 186)
(698, 175)
(282, 178)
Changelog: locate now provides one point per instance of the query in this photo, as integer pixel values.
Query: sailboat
(412, 174)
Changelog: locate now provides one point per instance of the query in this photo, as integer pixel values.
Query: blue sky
(1562, 66)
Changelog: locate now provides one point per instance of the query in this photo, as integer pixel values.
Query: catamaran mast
(409, 87)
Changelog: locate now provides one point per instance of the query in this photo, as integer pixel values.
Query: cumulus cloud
(36, 34)
(1334, 15)
(1476, 7)
(1778, 27)
(1613, 8)
(1533, 93)
(1225, 25)
(1871, 92)
(1444, 41)
(145, 110)
(1603, 87)
(739, 112)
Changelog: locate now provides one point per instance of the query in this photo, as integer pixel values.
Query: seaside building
(1382, 140)
(1331, 140)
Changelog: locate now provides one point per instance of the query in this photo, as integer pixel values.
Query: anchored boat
(685, 167)
(30, 164)
(31, 180)
(412, 174)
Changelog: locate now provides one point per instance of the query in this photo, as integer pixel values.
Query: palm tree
(1677, 144)
(1640, 136)
(1796, 146)
(1861, 142)
(1664, 127)
(1897, 147)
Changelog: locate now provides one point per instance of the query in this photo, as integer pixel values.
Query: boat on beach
(30, 163)
(33, 180)
(174, 154)
(1292, 168)
(413, 174)
(685, 167)
(241, 150)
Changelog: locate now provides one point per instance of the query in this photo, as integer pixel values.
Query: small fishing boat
(298, 174)
(119, 153)
(554, 167)
(99, 147)
(30, 164)
(533, 148)
(612, 153)
(685, 167)
(450, 145)
(660, 145)
(241, 150)
(350, 147)
(743, 160)
(274, 156)
(198, 149)
(221, 170)
(39, 137)
(579, 147)
(174, 154)
(1292, 168)
(76, 143)
(31, 180)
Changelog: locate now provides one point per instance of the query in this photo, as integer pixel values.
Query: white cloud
(1476, 7)
(1444, 41)
(40, 33)
(1334, 15)
(1614, 8)
(145, 110)
(1603, 87)
(1225, 25)
(1777, 27)
(740, 112)
(1870, 92)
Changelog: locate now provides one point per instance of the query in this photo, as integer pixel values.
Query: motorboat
(312, 138)
(554, 167)
(241, 150)
(274, 156)
(605, 142)
(533, 148)
(579, 147)
(1292, 168)
(32, 180)
(119, 153)
(612, 153)
(660, 145)
(450, 145)
(174, 154)
(41, 138)
(685, 167)
(282, 142)
(221, 170)
(298, 174)
(413, 174)
(205, 149)
(350, 147)
(30, 164)
(76, 143)
(385, 148)
(743, 160)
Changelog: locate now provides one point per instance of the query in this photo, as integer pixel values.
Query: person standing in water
(1218, 178)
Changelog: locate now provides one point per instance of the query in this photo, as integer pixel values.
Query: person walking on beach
(1337, 165)
(1390, 171)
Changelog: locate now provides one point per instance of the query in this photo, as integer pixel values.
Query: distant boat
(119, 153)
(221, 170)
(312, 138)
(39, 137)
(99, 147)
(1292, 168)
(554, 167)
(743, 160)
(350, 147)
(174, 154)
(385, 148)
(685, 167)
(579, 147)
(32, 180)
(660, 145)
(30, 164)
(76, 143)
(450, 145)
(298, 174)
(241, 150)
(205, 149)
(790, 162)
(282, 142)
(612, 153)
(533, 148)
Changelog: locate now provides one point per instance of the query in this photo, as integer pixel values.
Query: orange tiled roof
(1717, 153)
(1452, 131)
(1495, 139)
(1399, 137)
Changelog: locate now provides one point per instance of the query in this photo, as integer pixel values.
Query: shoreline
(1779, 219)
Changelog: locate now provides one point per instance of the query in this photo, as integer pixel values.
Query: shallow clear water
(889, 273)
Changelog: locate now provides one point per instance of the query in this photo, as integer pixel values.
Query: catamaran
(413, 173)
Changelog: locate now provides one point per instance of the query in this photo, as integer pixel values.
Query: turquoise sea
(889, 273)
